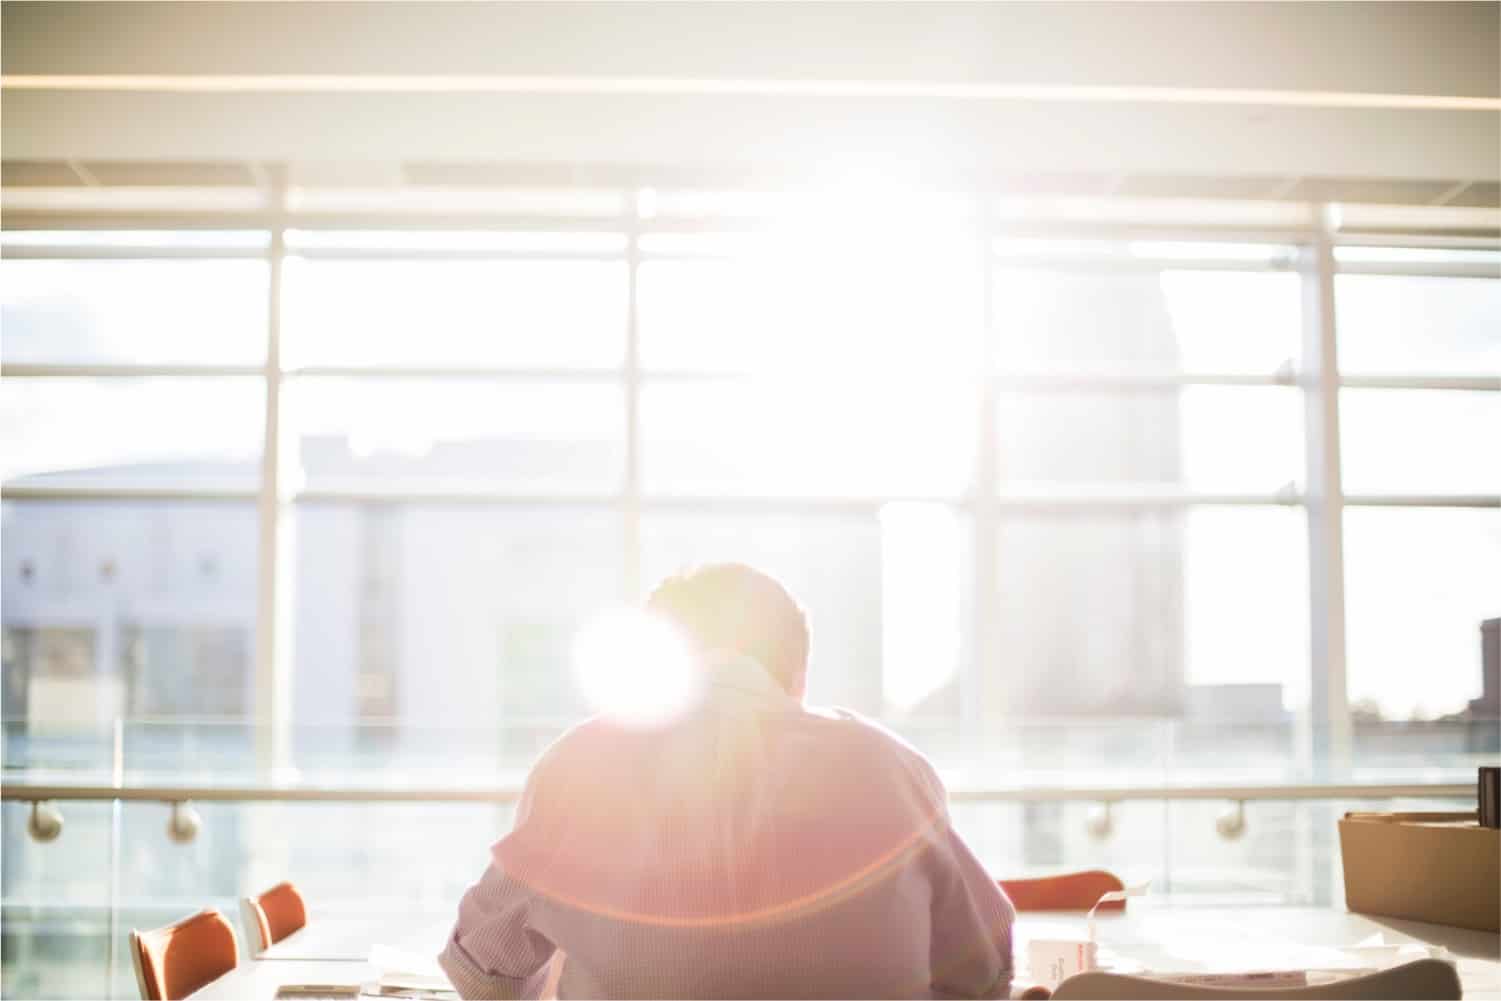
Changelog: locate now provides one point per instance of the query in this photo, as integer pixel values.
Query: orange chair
(175, 961)
(1070, 891)
(272, 916)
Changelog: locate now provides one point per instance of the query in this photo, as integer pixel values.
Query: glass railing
(1214, 814)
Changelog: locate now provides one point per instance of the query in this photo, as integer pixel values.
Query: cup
(1490, 796)
(1054, 959)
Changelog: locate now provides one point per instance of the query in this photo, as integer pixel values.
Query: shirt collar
(735, 675)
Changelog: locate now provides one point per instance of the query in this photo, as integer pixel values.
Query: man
(749, 848)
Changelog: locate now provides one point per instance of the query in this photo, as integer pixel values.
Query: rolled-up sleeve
(493, 952)
(971, 925)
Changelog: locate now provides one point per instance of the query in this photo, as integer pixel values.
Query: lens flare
(635, 668)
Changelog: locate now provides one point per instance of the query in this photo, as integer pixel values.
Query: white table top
(349, 937)
(1186, 939)
(1148, 935)
(258, 980)
(330, 949)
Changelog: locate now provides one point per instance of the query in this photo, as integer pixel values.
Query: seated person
(749, 848)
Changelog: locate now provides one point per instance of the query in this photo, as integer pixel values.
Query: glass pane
(163, 431)
(455, 312)
(808, 439)
(793, 305)
(1420, 441)
(56, 900)
(925, 567)
(1288, 854)
(390, 433)
(1196, 321)
(830, 565)
(1418, 325)
(1201, 438)
(143, 312)
(1236, 560)
(1147, 613)
(1418, 583)
(453, 626)
(123, 609)
(1018, 840)
(1231, 321)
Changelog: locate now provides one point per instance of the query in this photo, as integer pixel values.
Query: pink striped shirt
(753, 848)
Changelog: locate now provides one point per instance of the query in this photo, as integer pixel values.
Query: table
(1152, 936)
(330, 949)
(258, 980)
(1148, 934)
(349, 937)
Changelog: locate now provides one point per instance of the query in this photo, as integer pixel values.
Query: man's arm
(492, 952)
(970, 951)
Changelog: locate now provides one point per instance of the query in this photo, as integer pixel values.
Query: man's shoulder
(841, 738)
(584, 738)
(862, 728)
(880, 746)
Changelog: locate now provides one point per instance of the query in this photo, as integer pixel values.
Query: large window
(1046, 501)
(1419, 412)
(1098, 445)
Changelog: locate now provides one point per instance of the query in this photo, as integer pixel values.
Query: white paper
(1139, 890)
(1052, 960)
(392, 963)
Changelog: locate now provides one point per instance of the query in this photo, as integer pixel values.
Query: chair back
(273, 915)
(1069, 891)
(1421, 980)
(174, 961)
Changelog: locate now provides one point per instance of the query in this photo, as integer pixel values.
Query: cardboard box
(1438, 867)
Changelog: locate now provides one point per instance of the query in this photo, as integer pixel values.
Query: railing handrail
(32, 793)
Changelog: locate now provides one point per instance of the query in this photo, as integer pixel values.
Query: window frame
(1313, 242)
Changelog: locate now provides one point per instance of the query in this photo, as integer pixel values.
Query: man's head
(734, 608)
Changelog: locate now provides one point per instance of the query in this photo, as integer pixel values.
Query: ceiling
(1402, 101)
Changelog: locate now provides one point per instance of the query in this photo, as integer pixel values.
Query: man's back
(751, 849)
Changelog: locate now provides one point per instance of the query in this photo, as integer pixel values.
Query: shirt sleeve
(493, 951)
(971, 925)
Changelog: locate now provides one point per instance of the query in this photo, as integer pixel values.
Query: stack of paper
(407, 974)
(1299, 966)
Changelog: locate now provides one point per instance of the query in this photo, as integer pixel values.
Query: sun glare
(635, 668)
(920, 601)
(842, 278)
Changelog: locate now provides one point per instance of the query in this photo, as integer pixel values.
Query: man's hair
(736, 608)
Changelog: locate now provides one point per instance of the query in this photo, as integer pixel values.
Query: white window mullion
(632, 583)
(272, 710)
(984, 692)
(1325, 733)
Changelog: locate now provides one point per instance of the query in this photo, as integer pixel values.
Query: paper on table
(1253, 978)
(1290, 964)
(409, 970)
(1138, 890)
(1375, 953)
